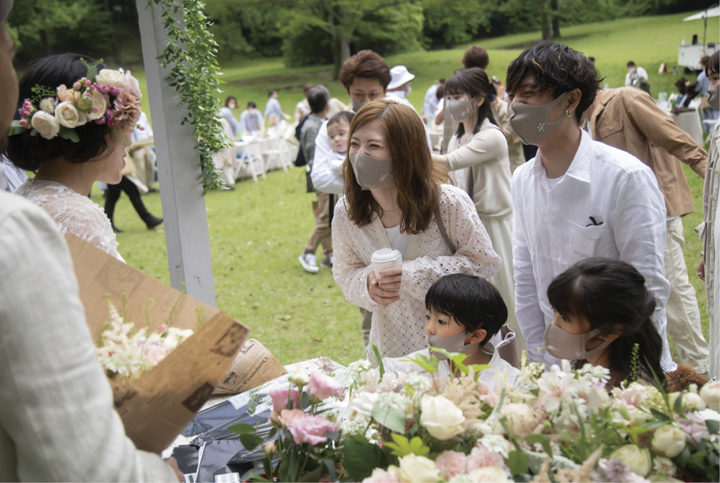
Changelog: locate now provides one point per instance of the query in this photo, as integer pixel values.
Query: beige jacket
(628, 118)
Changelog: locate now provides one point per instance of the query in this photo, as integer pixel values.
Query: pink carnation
(322, 386)
(486, 394)
(481, 457)
(280, 399)
(451, 463)
(380, 476)
(127, 110)
(310, 429)
(287, 416)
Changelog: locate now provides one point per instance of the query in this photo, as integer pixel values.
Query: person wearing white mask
(226, 112)
(635, 74)
(709, 262)
(577, 198)
(401, 84)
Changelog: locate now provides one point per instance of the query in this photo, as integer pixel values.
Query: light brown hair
(365, 64)
(415, 175)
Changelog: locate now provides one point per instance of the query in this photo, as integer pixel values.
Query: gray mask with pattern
(371, 173)
(531, 122)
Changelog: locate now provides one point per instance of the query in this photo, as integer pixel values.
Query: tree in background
(244, 28)
(451, 22)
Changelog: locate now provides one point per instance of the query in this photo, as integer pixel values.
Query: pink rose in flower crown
(481, 457)
(310, 429)
(322, 386)
(280, 399)
(451, 463)
(67, 95)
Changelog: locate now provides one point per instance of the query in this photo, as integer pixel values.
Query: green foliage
(389, 416)
(361, 456)
(392, 31)
(450, 22)
(190, 54)
(403, 447)
(246, 28)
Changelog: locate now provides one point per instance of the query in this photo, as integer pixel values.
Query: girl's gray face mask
(532, 123)
(572, 347)
(371, 173)
(455, 343)
(460, 110)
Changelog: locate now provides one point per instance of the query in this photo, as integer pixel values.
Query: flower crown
(109, 97)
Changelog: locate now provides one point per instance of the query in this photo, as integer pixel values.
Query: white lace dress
(398, 329)
(73, 213)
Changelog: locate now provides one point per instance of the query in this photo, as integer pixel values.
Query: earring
(568, 113)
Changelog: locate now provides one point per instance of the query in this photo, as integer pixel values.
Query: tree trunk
(344, 49)
(546, 22)
(113, 37)
(555, 18)
(48, 44)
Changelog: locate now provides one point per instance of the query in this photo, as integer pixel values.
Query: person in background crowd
(395, 198)
(578, 198)
(439, 117)
(516, 156)
(11, 177)
(635, 75)
(302, 108)
(709, 262)
(336, 106)
(252, 121)
(273, 111)
(687, 90)
(226, 113)
(144, 156)
(400, 83)
(478, 154)
(430, 102)
(708, 113)
(318, 101)
(649, 133)
(57, 418)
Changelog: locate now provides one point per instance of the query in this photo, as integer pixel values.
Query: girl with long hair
(393, 198)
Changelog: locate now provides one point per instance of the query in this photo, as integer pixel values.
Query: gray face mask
(371, 173)
(357, 105)
(531, 122)
(714, 96)
(572, 347)
(456, 343)
(459, 110)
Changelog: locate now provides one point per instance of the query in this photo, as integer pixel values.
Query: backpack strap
(441, 227)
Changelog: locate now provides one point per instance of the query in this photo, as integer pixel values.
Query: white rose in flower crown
(68, 115)
(45, 124)
(99, 106)
(490, 474)
(363, 403)
(669, 441)
(418, 469)
(710, 394)
(442, 419)
(638, 459)
(108, 77)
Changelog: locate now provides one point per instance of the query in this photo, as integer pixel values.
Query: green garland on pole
(191, 55)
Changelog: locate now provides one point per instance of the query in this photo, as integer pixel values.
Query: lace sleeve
(348, 269)
(85, 219)
(474, 255)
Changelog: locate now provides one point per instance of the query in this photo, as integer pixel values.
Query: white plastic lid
(385, 255)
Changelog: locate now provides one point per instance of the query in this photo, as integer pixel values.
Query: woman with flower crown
(76, 117)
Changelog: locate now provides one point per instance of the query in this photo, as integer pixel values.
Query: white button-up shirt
(552, 230)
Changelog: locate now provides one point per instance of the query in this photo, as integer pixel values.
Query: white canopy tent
(186, 230)
(705, 14)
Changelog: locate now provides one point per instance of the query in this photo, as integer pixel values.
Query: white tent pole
(186, 231)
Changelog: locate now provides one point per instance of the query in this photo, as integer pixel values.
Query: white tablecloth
(266, 154)
(690, 123)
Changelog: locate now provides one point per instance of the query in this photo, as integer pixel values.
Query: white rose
(669, 441)
(68, 116)
(99, 106)
(520, 418)
(300, 378)
(638, 459)
(490, 474)
(418, 469)
(710, 394)
(112, 78)
(363, 403)
(441, 417)
(45, 124)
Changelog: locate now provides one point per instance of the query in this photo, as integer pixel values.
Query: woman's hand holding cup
(385, 290)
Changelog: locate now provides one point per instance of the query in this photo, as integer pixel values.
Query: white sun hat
(400, 76)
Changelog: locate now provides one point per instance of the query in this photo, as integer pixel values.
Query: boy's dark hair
(713, 64)
(252, 104)
(441, 80)
(440, 93)
(473, 301)
(631, 64)
(271, 92)
(318, 98)
(347, 115)
(473, 82)
(366, 64)
(475, 56)
(28, 152)
(607, 293)
(557, 69)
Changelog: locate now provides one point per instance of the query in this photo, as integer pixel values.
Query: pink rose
(451, 463)
(287, 416)
(67, 95)
(310, 429)
(322, 386)
(694, 427)
(156, 354)
(380, 476)
(486, 394)
(280, 399)
(481, 457)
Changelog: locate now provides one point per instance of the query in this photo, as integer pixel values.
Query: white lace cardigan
(398, 329)
(73, 213)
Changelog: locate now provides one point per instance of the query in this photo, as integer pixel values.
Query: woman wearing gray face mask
(478, 162)
(394, 198)
(708, 231)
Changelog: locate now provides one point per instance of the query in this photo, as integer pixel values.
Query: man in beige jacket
(628, 118)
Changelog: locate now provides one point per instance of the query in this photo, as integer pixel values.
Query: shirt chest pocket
(611, 133)
(585, 241)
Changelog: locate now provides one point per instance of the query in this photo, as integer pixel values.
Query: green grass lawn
(258, 231)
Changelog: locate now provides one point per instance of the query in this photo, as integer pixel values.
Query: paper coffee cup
(385, 258)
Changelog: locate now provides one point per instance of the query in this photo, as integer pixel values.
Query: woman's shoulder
(489, 132)
(451, 195)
